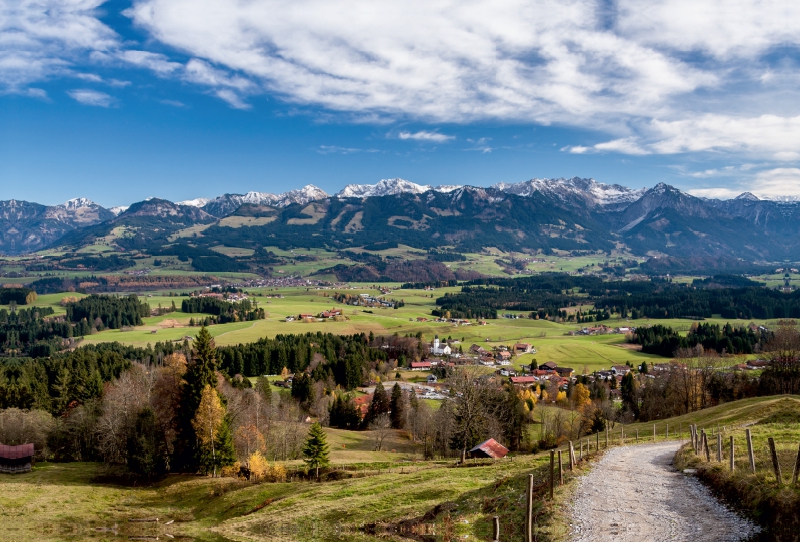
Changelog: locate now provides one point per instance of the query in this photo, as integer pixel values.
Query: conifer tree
(315, 449)
(398, 407)
(379, 405)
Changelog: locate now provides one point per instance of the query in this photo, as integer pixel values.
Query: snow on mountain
(227, 203)
(116, 211)
(197, 202)
(77, 203)
(587, 190)
(390, 187)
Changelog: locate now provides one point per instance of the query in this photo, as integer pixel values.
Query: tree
(381, 427)
(379, 405)
(145, 450)
(207, 424)
(201, 373)
(580, 396)
(315, 449)
(398, 407)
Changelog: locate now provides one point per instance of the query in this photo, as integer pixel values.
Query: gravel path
(634, 494)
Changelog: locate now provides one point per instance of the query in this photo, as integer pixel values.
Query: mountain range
(574, 214)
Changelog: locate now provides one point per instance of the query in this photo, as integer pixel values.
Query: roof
(415, 364)
(16, 452)
(492, 448)
(522, 379)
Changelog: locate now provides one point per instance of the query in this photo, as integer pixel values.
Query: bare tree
(381, 427)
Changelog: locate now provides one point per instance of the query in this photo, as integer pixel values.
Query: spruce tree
(201, 372)
(398, 407)
(379, 405)
(315, 449)
(145, 449)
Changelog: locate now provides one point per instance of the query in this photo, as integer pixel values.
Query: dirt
(634, 494)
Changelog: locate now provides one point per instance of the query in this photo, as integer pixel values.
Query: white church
(438, 349)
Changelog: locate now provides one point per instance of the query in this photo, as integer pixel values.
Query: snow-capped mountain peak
(116, 211)
(197, 202)
(77, 203)
(385, 187)
(747, 196)
(587, 190)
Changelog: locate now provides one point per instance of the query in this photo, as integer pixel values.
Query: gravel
(634, 493)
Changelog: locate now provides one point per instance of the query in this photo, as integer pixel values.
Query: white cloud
(424, 135)
(777, 183)
(715, 193)
(91, 97)
(173, 103)
(333, 149)
(676, 76)
(40, 39)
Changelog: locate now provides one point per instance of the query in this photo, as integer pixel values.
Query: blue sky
(121, 100)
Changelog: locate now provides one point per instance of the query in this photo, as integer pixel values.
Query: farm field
(551, 339)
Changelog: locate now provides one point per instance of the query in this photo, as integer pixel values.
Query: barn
(15, 459)
(490, 449)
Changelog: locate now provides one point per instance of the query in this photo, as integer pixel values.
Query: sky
(121, 100)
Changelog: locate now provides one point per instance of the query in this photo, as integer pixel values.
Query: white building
(438, 349)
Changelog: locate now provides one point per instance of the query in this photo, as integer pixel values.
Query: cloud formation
(682, 76)
(424, 135)
(91, 97)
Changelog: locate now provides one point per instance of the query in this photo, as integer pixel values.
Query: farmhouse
(420, 365)
(523, 348)
(16, 459)
(488, 449)
(548, 366)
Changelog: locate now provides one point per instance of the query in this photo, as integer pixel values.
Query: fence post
(597, 444)
(796, 467)
(776, 466)
(733, 465)
(637, 436)
(606, 436)
(750, 453)
(581, 456)
(680, 432)
(622, 434)
(529, 508)
(571, 456)
(560, 470)
(667, 432)
(719, 447)
(705, 446)
(552, 472)
(496, 522)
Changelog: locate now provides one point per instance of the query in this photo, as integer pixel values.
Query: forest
(224, 311)
(108, 312)
(664, 341)
(546, 295)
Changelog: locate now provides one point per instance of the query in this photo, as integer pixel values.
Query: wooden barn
(490, 449)
(16, 459)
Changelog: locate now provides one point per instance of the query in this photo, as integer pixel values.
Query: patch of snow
(197, 202)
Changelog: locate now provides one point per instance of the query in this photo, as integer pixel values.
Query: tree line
(224, 311)
(105, 311)
(664, 341)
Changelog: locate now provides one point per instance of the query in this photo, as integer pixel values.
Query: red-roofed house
(420, 365)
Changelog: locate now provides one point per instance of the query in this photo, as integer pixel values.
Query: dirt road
(634, 494)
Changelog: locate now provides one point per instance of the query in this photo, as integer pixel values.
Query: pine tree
(379, 405)
(398, 407)
(315, 449)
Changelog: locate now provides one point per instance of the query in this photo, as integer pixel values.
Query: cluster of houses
(367, 300)
(602, 329)
(319, 317)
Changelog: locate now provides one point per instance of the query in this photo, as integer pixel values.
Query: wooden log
(705, 446)
(776, 466)
(496, 525)
(751, 456)
(529, 508)
(560, 470)
(733, 464)
(552, 472)
(719, 447)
